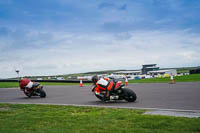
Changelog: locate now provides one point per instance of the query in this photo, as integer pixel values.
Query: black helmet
(95, 79)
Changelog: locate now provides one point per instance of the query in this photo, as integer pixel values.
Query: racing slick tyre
(129, 95)
(42, 93)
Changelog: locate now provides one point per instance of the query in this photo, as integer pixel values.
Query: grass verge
(185, 78)
(16, 84)
(25, 118)
(9, 84)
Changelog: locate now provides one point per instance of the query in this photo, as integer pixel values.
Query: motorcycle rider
(103, 84)
(26, 84)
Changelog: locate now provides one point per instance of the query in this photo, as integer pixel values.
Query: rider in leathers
(103, 84)
(26, 85)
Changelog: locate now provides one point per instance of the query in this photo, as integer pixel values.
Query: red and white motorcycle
(31, 88)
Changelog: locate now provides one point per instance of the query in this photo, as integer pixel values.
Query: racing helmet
(95, 79)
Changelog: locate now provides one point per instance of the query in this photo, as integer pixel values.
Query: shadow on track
(27, 98)
(111, 102)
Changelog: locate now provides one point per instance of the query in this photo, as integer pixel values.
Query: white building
(163, 72)
(138, 72)
(128, 74)
(60, 78)
(85, 77)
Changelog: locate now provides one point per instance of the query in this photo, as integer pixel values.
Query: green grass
(16, 84)
(185, 78)
(9, 84)
(21, 118)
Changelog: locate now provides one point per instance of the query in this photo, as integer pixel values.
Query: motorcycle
(119, 92)
(35, 90)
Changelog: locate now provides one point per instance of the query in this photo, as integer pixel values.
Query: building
(147, 71)
(163, 72)
(149, 67)
(60, 78)
(137, 72)
(84, 77)
(128, 74)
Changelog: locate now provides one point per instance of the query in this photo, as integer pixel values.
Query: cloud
(79, 16)
(73, 53)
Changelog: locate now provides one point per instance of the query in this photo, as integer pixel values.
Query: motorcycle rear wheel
(129, 95)
(42, 93)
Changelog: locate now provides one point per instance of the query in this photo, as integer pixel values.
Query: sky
(53, 37)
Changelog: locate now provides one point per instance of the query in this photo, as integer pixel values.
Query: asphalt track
(179, 96)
